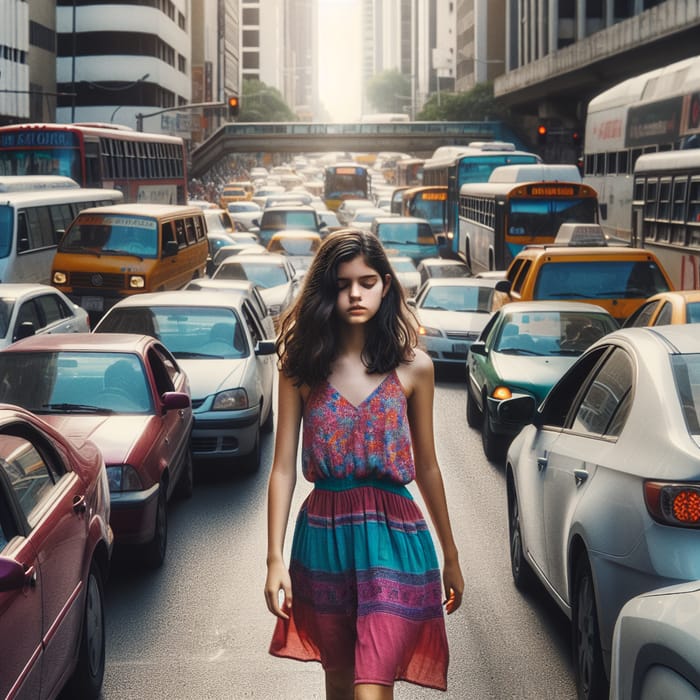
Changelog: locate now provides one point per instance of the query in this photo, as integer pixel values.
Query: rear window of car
(599, 279)
(686, 371)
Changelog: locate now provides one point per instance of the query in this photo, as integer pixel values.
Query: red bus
(144, 167)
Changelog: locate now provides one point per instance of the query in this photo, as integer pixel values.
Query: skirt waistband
(349, 482)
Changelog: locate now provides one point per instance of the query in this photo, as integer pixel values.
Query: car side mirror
(517, 411)
(440, 239)
(25, 330)
(265, 347)
(503, 286)
(13, 575)
(256, 222)
(175, 400)
(478, 348)
(22, 244)
(411, 301)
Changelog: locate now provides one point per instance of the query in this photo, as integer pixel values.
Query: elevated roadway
(419, 138)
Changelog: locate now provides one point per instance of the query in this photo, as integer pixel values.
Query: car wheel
(251, 461)
(591, 681)
(523, 576)
(86, 681)
(154, 551)
(185, 484)
(493, 444)
(474, 415)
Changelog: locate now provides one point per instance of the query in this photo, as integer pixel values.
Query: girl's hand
(454, 587)
(278, 580)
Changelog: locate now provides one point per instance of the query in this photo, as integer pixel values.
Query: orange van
(112, 252)
(586, 269)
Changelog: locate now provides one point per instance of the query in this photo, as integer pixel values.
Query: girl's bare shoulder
(416, 371)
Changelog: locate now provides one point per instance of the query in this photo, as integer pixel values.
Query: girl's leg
(339, 684)
(366, 691)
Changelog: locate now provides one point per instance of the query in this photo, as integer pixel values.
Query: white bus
(31, 224)
(656, 111)
(666, 212)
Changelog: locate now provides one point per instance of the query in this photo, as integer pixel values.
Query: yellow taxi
(233, 192)
(581, 266)
(668, 308)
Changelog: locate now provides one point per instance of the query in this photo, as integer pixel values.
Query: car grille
(213, 444)
(459, 335)
(95, 280)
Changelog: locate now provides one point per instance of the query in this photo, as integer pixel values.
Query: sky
(340, 58)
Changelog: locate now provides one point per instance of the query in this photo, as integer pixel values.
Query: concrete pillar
(553, 26)
(580, 20)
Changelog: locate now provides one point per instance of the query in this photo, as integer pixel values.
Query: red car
(55, 547)
(128, 395)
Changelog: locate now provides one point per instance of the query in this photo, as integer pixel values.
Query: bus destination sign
(38, 138)
(551, 191)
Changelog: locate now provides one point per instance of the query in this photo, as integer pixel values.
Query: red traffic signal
(542, 133)
(234, 105)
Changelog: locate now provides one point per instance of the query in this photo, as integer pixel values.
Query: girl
(363, 592)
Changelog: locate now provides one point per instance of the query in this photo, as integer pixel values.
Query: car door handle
(542, 463)
(30, 576)
(79, 505)
(580, 475)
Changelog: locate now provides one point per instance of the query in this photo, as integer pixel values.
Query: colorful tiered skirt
(366, 586)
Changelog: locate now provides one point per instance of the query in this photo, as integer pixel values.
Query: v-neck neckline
(366, 399)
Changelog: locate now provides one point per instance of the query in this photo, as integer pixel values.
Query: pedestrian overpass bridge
(418, 138)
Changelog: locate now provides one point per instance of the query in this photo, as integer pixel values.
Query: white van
(32, 223)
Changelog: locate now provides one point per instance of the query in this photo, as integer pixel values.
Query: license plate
(92, 303)
(460, 348)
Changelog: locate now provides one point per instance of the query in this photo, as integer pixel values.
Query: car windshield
(552, 332)
(458, 298)
(599, 279)
(265, 275)
(112, 235)
(75, 382)
(403, 265)
(6, 306)
(686, 371)
(295, 246)
(405, 233)
(455, 270)
(189, 332)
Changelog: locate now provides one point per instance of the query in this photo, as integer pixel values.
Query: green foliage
(389, 91)
(262, 103)
(478, 104)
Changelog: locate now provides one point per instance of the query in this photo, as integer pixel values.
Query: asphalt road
(198, 628)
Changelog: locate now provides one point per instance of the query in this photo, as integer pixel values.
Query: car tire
(474, 415)
(523, 576)
(86, 681)
(589, 670)
(492, 443)
(251, 461)
(154, 551)
(185, 484)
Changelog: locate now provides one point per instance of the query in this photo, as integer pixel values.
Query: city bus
(144, 167)
(426, 202)
(345, 181)
(409, 171)
(498, 218)
(472, 163)
(666, 212)
(656, 111)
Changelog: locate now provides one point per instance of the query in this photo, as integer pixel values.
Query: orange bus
(144, 167)
(429, 203)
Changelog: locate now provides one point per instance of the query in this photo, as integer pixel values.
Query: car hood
(454, 320)
(209, 376)
(115, 435)
(534, 374)
(275, 295)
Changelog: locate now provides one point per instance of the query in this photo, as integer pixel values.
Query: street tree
(478, 104)
(389, 91)
(262, 103)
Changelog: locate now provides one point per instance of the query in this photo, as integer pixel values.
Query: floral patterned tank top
(370, 440)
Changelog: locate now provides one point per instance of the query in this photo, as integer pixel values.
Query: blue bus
(455, 166)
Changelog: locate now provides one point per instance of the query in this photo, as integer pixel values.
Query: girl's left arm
(428, 475)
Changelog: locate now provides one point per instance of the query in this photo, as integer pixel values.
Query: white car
(220, 342)
(32, 309)
(406, 273)
(656, 645)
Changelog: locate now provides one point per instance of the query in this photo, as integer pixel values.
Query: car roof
(86, 342)
(562, 251)
(459, 282)
(683, 295)
(295, 233)
(180, 297)
(145, 209)
(400, 220)
(16, 289)
(269, 258)
(430, 262)
(290, 207)
(548, 305)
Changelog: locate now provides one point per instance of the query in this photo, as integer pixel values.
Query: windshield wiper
(194, 355)
(519, 351)
(109, 251)
(76, 408)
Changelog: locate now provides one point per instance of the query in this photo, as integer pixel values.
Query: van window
(40, 227)
(522, 276)
(6, 226)
(180, 233)
(189, 231)
(52, 307)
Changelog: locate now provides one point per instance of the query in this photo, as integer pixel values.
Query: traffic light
(234, 105)
(541, 134)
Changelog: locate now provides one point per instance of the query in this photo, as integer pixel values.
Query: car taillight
(673, 504)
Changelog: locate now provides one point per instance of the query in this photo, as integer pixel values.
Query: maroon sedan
(128, 395)
(55, 546)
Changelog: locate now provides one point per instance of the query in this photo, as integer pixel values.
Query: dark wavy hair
(308, 340)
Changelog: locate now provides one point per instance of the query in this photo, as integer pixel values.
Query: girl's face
(360, 291)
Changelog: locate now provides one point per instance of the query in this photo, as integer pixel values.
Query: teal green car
(523, 350)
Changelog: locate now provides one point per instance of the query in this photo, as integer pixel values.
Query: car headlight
(123, 478)
(501, 393)
(427, 330)
(230, 400)
(137, 282)
(59, 277)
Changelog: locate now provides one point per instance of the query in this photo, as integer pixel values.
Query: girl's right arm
(279, 494)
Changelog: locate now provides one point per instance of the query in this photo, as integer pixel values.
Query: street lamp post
(127, 87)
